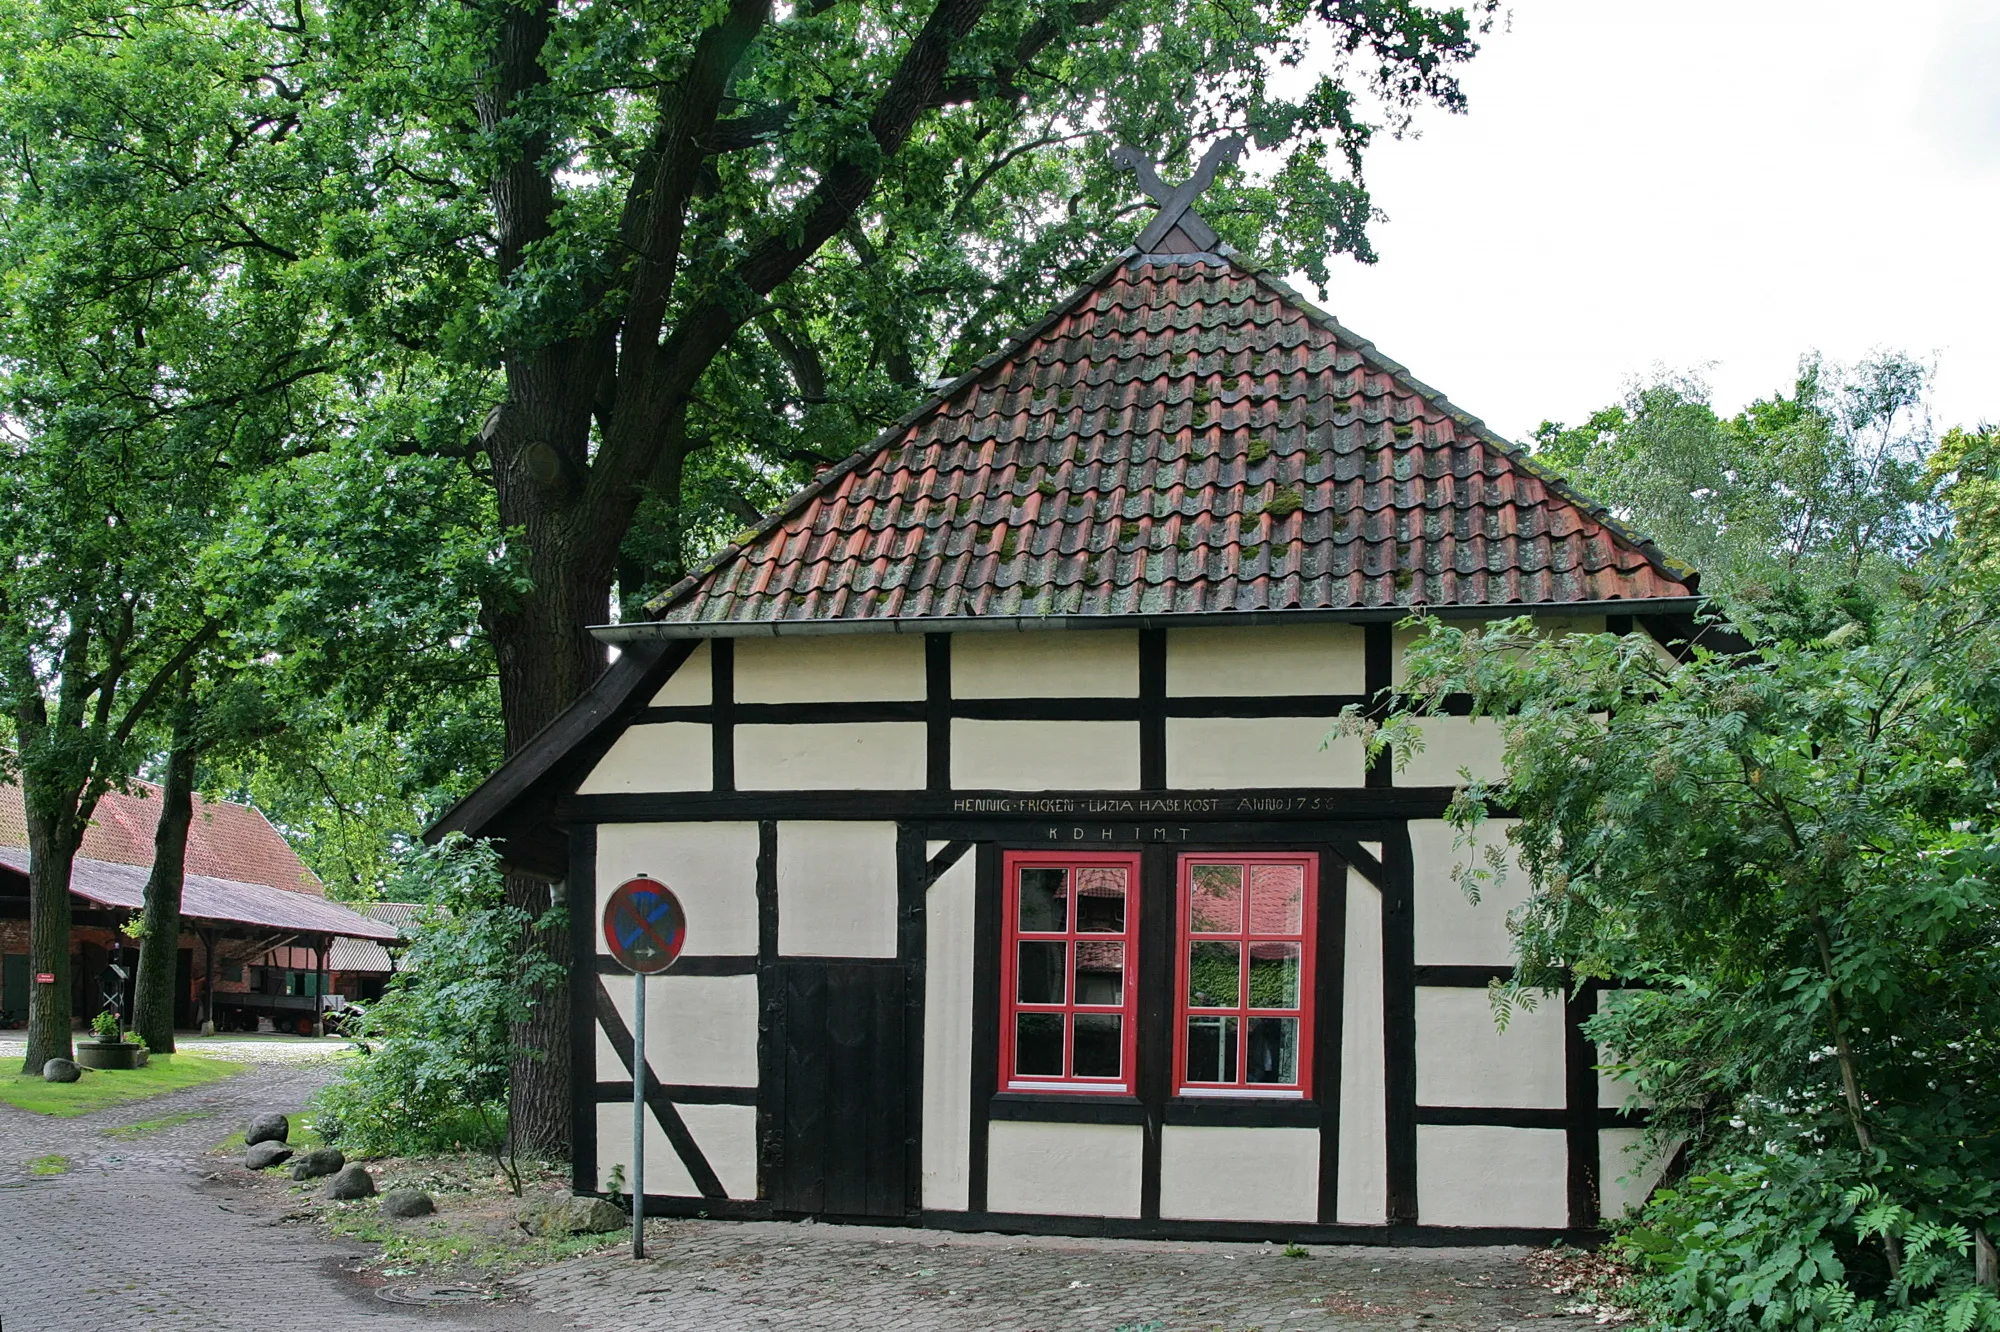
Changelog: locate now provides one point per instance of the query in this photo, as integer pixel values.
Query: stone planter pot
(108, 1054)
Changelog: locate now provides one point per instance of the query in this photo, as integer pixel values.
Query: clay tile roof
(1184, 435)
(225, 840)
(224, 901)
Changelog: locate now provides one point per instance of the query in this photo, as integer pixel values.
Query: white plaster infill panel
(1253, 662)
(1464, 1059)
(1082, 664)
(666, 1177)
(690, 686)
(1452, 747)
(948, 1038)
(1362, 1194)
(1451, 930)
(727, 1136)
(831, 756)
(700, 1030)
(1229, 753)
(1471, 1175)
(1064, 1169)
(1626, 1174)
(661, 756)
(1552, 626)
(837, 889)
(1239, 1174)
(1042, 755)
(842, 668)
(712, 868)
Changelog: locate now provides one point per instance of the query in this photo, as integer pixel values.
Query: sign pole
(639, 1115)
(645, 927)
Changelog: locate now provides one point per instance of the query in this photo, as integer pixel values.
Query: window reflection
(1043, 970)
(1216, 905)
(1100, 972)
(1211, 1049)
(1273, 1054)
(1099, 1049)
(1274, 975)
(1277, 899)
(1215, 973)
(1100, 901)
(1038, 1044)
(1044, 900)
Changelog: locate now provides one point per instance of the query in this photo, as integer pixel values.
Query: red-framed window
(1069, 995)
(1244, 1023)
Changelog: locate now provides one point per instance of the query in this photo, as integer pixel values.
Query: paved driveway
(136, 1236)
(147, 1233)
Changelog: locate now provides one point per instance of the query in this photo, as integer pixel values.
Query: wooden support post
(208, 982)
(1985, 1260)
(319, 985)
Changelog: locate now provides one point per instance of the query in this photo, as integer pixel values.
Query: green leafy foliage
(436, 1075)
(1778, 1243)
(1792, 853)
(1805, 492)
(1788, 855)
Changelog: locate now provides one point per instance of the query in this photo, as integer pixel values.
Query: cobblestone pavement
(137, 1236)
(709, 1275)
(145, 1233)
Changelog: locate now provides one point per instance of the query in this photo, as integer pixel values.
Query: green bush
(1784, 1242)
(1789, 859)
(435, 1075)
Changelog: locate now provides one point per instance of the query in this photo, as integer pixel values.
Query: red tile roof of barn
(1184, 435)
(225, 841)
(203, 897)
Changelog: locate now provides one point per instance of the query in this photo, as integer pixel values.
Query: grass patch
(473, 1234)
(303, 1138)
(445, 1244)
(102, 1087)
(145, 1126)
(49, 1165)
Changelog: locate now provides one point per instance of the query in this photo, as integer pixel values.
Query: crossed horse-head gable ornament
(1177, 201)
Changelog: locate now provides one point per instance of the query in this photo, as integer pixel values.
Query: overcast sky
(1710, 183)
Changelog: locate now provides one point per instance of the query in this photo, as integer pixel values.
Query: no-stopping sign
(644, 925)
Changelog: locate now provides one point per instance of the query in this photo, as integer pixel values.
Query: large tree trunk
(547, 660)
(538, 1071)
(52, 843)
(159, 947)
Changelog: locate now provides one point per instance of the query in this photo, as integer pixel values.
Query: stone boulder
(264, 1155)
(60, 1070)
(352, 1182)
(407, 1203)
(556, 1217)
(267, 1127)
(319, 1161)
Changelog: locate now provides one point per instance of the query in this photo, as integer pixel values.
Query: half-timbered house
(1025, 888)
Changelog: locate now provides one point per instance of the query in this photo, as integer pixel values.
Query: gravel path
(265, 1050)
(140, 1233)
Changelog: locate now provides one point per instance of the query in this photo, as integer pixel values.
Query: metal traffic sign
(644, 925)
(645, 928)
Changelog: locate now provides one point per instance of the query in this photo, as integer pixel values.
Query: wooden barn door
(835, 1139)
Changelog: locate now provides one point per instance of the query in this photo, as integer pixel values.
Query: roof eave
(651, 631)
